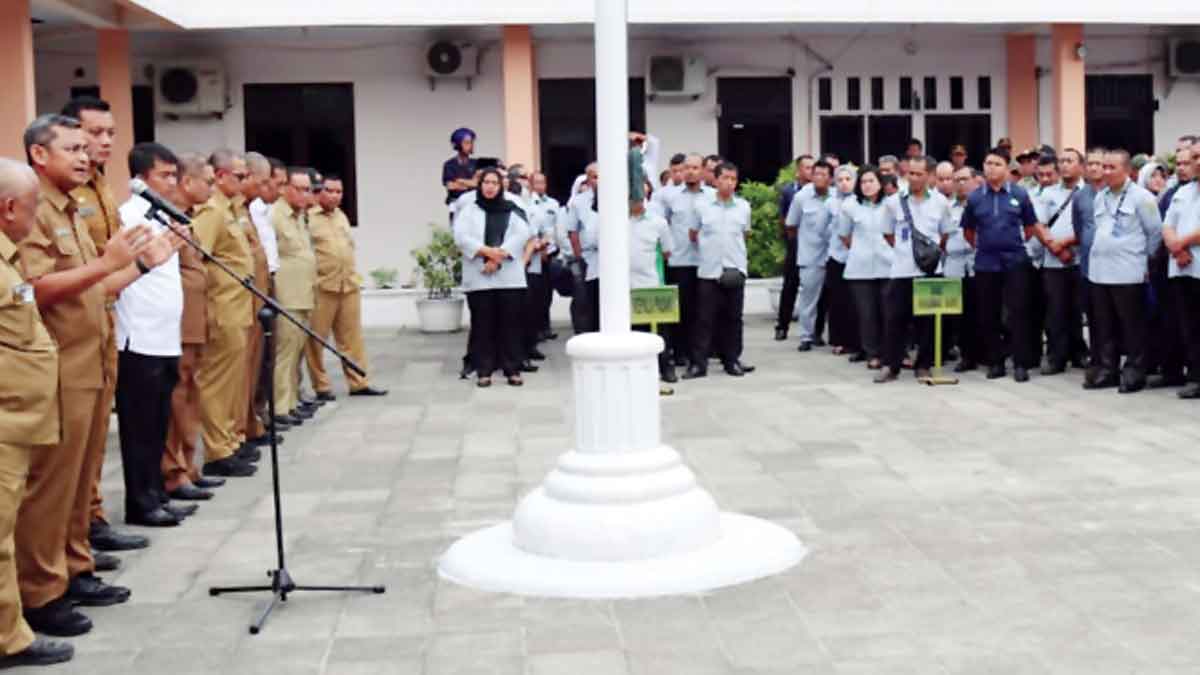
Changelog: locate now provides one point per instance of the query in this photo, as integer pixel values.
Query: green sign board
(655, 305)
(937, 296)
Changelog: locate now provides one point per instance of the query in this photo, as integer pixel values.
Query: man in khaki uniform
(180, 473)
(295, 285)
(98, 211)
(339, 303)
(221, 374)
(71, 283)
(251, 429)
(28, 408)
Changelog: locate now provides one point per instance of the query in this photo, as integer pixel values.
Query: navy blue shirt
(786, 195)
(999, 219)
(453, 169)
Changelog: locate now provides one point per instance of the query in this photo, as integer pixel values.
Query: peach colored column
(18, 104)
(520, 98)
(116, 87)
(1067, 97)
(1022, 91)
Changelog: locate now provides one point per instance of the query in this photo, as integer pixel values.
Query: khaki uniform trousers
(249, 425)
(110, 394)
(289, 346)
(55, 516)
(221, 376)
(179, 460)
(341, 313)
(15, 634)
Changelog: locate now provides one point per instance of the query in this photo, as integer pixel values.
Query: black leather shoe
(265, 440)
(326, 396)
(301, 414)
(104, 538)
(248, 453)
(734, 369)
(1080, 362)
(805, 347)
(206, 483)
(190, 493)
(105, 562)
(746, 367)
(528, 367)
(40, 652)
(668, 376)
(818, 342)
(181, 511)
(995, 372)
(780, 334)
(157, 518)
(88, 590)
(286, 422)
(1165, 381)
(694, 372)
(1192, 391)
(1102, 380)
(58, 618)
(230, 466)
(369, 391)
(1020, 374)
(536, 355)
(310, 408)
(304, 400)
(965, 366)
(1132, 383)
(857, 357)
(887, 375)
(1053, 369)
(681, 361)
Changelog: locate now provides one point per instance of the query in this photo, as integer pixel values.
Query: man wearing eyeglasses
(295, 289)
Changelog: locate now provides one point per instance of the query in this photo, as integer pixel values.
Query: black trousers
(843, 322)
(869, 299)
(1037, 316)
(1186, 291)
(664, 357)
(581, 311)
(898, 313)
(791, 286)
(680, 335)
(962, 330)
(718, 322)
(994, 293)
(1064, 317)
(1120, 319)
(495, 337)
(547, 299)
(532, 325)
(144, 388)
(1164, 321)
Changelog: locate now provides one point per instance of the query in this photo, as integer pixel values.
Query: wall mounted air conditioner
(189, 89)
(452, 60)
(675, 76)
(1183, 58)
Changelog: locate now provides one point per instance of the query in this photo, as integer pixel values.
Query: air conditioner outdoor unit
(447, 59)
(675, 76)
(1183, 58)
(189, 89)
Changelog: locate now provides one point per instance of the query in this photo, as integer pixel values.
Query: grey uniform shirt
(647, 233)
(959, 262)
(810, 218)
(870, 256)
(722, 241)
(1128, 231)
(1184, 217)
(1047, 202)
(469, 226)
(586, 222)
(543, 223)
(931, 215)
(682, 211)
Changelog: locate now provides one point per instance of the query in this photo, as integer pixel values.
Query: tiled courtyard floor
(984, 528)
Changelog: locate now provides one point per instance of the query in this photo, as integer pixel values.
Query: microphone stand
(281, 580)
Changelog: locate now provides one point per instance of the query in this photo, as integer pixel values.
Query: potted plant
(440, 265)
(765, 251)
(384, 277)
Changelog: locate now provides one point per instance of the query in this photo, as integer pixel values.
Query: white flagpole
(612, 140)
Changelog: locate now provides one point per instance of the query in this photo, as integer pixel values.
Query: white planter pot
(774, 291)
(441, 315)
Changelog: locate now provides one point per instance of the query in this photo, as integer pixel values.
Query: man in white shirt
(260, 209)
(149, 312)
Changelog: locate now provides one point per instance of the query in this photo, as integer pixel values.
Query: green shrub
(440, 263)
(384, 277)
(765, 251)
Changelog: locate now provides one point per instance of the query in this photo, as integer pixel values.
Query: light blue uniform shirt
(658, 200)
(959, 262)
(809, 215)
(1046, 203)
(469, 226)
(870, 256)
(723, 228)
(682, 213)
(543, 223)
(837, 248)
(931, 216)
(1128, 231)
(647, 233)
(586, 222)
(1184, 217)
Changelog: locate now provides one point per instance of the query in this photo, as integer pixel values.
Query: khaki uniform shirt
(262, 273)
(296, 280)
(334, 244)
(193, 327)
(98, 209)
(79, 325)
(28, 360)
(229, 305)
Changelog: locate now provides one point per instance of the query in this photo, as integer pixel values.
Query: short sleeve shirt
(723, 226)
(296, 280)
(930, 215)
(1183, 215)
(647, 233)
(29, 413)
(683, 214)
(809, 214)
(1128, 231)
(999, 218)
(229, 305)
(333, 240)
(454, 169)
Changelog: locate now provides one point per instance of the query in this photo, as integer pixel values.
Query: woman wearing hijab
(843, 324)
(1153, 177)
(493, 236)
(869, 263)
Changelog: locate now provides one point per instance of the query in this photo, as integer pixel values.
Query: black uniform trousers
(898, 313)
(1064, 316)
(994, 293)
(791, 286)
(1186, 291)
(869, 302)
(532, 324)
(1164, 321)
(144, 388)
(962, 330)
(718, 322)
(495, 337)
(843, 322)
(1119, 321)
(680, 335)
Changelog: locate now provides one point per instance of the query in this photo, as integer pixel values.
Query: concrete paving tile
(579, 663)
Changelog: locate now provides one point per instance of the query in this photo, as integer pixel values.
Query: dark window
(1120, 111)
(853, 93)
(956, 93)
(985, 93)
(930, 94)
(755, 128)
(825, 94)
(143, 109)
(906, 92)
(876, 93)
(843, 134)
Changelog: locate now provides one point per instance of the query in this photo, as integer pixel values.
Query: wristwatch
(142, 267)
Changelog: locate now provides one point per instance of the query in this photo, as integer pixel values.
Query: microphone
(138, 187)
